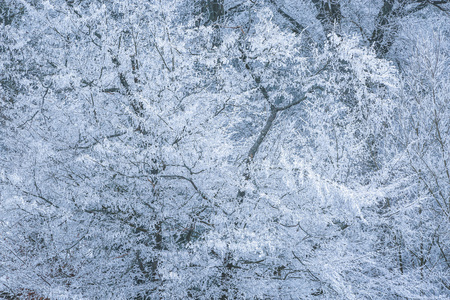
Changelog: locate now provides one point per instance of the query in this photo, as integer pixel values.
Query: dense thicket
(225, 149)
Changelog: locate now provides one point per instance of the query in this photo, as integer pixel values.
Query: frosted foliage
(224, 150)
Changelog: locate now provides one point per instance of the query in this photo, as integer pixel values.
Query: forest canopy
(224, 149)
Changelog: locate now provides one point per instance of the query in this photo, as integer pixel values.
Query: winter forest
(225, 149)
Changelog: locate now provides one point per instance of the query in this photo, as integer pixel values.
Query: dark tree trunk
(381, 38)
(216, 10)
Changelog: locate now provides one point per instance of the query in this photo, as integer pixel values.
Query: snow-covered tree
(221, 150)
